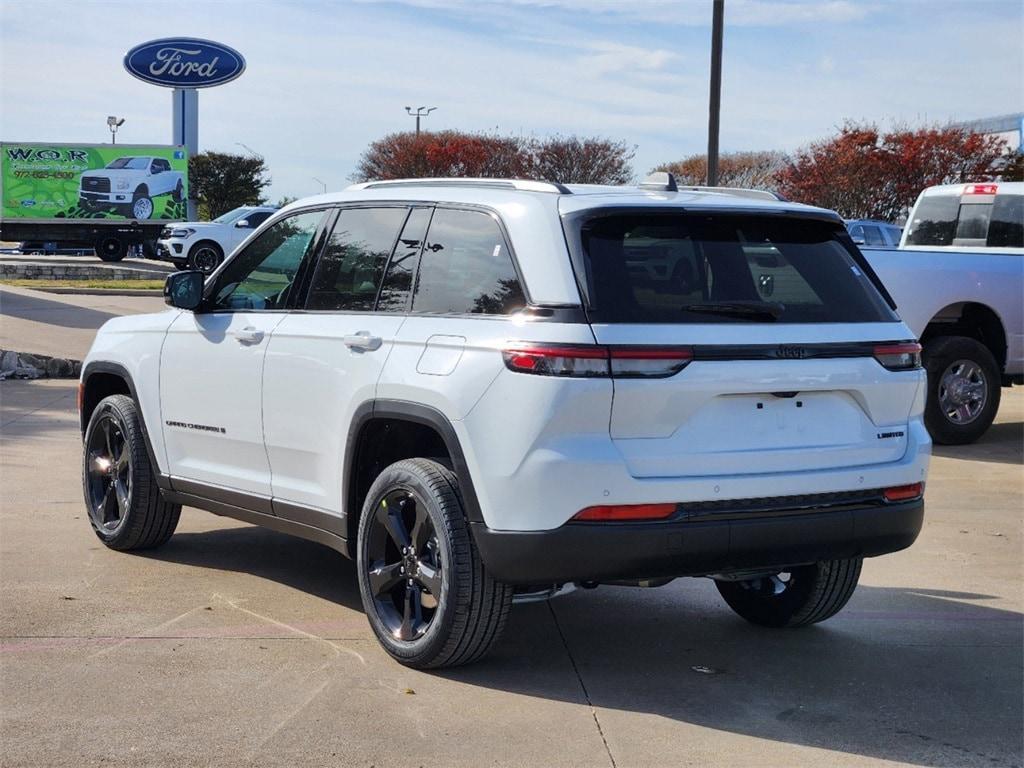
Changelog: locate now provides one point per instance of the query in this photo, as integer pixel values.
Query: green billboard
(61, 182)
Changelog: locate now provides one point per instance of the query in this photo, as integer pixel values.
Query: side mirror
(243, 224)
(184, 290)
(858, 239)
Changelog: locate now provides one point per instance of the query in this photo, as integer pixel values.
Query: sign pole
(185, 130)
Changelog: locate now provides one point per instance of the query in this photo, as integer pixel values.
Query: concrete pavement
(238, 646)
(61, 325)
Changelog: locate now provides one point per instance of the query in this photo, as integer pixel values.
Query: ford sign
(184, 62)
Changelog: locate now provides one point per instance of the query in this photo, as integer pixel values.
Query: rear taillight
(899, 357)
(625, 513)
(904, 492)
(981, 189)
(595, 360)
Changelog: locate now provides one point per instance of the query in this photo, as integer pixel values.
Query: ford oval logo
(184, 62)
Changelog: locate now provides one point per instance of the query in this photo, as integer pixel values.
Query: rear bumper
(697, 547)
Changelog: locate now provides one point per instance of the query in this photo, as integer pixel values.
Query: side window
(154, 167)
(873, 235)
(349, 271)
(466, 267)
(1006, 228)
(397, 287)
(857, 233)
(261, 276)
(257, 217)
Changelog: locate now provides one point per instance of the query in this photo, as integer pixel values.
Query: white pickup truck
(131, 182)
(958, 280)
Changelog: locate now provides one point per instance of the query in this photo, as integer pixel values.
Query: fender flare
(402, 410)
(103, 366)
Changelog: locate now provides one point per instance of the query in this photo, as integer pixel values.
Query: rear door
(324, 362)
(781, 323)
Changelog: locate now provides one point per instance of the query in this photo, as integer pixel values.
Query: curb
(23, 365)
(98, 291)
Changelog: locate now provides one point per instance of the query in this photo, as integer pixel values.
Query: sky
(324, 79)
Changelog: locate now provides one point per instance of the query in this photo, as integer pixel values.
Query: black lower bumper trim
(606, 551)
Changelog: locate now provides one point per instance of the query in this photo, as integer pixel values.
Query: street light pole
(418, 114)
(323, 184)
(715, 105)
(113, 123)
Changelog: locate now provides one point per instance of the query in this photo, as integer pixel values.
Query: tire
(963, 389)
(205, 256)
(419, 500)
(178, 193)
(810, 594)
(142, 204)
(125, 507)
(111, 249)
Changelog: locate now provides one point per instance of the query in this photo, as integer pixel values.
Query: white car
(461, 384)
(203, 245)
(131, 183)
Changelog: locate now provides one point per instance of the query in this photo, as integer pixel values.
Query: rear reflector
(899, 357)
(904, 492)
(81, 395)
(595, 360)
(981, 189)
(625, 512)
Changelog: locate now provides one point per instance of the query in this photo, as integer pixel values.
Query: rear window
(678, 268)
(934, 221)
(1006, 226)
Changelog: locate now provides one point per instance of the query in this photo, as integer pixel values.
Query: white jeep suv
(463, 385)
(203, 245)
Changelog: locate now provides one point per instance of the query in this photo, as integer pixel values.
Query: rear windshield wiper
(754, 310)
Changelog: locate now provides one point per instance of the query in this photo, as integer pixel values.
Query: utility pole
(420, 112)
(715, 105)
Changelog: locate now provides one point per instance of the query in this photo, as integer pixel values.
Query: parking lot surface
(234, 645)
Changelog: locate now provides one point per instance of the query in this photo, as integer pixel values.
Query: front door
(211, 363)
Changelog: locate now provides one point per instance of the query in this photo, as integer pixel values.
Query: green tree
(221, 181)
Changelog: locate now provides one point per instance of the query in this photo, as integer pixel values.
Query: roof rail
(523, 185)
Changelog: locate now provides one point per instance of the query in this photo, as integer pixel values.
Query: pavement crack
(583, 686)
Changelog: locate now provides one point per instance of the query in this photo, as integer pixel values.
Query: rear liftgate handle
(362, 341)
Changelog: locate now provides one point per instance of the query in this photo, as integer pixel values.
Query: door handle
(249, 335)
(362, 340)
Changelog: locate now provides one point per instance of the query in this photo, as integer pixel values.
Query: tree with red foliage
(575, 160)
(568, 159)
(749, 170)
(864, 174)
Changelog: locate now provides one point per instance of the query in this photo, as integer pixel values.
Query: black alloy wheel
(404, 565)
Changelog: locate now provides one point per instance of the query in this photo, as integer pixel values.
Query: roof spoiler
(664, 181)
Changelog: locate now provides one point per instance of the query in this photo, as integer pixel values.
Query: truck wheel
(205, 256)
(794, 597)
(179, 192)
(427, 594)
(963, 389)
(125, 507)
(111, 249)
(142, 204)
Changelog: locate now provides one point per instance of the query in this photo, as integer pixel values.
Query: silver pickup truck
(958, 280)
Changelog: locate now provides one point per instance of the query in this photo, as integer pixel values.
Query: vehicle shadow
(923, 676)
(1002, 443)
